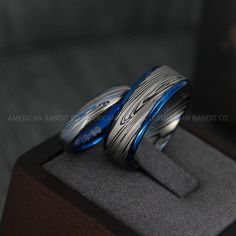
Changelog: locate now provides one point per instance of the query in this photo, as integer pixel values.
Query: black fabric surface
(146, 206)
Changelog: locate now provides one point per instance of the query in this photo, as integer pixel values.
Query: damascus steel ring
(153, 106)
(88, 126)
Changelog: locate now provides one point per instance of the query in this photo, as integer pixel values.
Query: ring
(153, 106)
(87, 128)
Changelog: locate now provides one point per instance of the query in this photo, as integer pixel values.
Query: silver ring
(153, 107)
(87, 128)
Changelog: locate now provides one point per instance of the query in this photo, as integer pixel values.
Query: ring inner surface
(166, 121)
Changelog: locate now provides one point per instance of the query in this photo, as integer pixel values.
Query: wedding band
(88, 126)
(153, 106)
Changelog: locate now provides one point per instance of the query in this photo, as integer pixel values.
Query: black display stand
(53, 192)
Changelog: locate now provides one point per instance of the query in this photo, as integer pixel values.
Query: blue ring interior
(110, 114)
(103, 124)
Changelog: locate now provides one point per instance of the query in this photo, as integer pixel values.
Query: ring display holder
(164, 170)
(56, 193)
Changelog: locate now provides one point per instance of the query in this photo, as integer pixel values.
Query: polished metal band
(153, 106)
(87, 127)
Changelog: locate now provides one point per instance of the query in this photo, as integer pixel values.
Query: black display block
(54, 192)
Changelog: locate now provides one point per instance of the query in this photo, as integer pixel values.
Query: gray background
(55, 55)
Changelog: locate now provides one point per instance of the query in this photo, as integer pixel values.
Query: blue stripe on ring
(101, 124)
(152, 114)
(165, 98)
